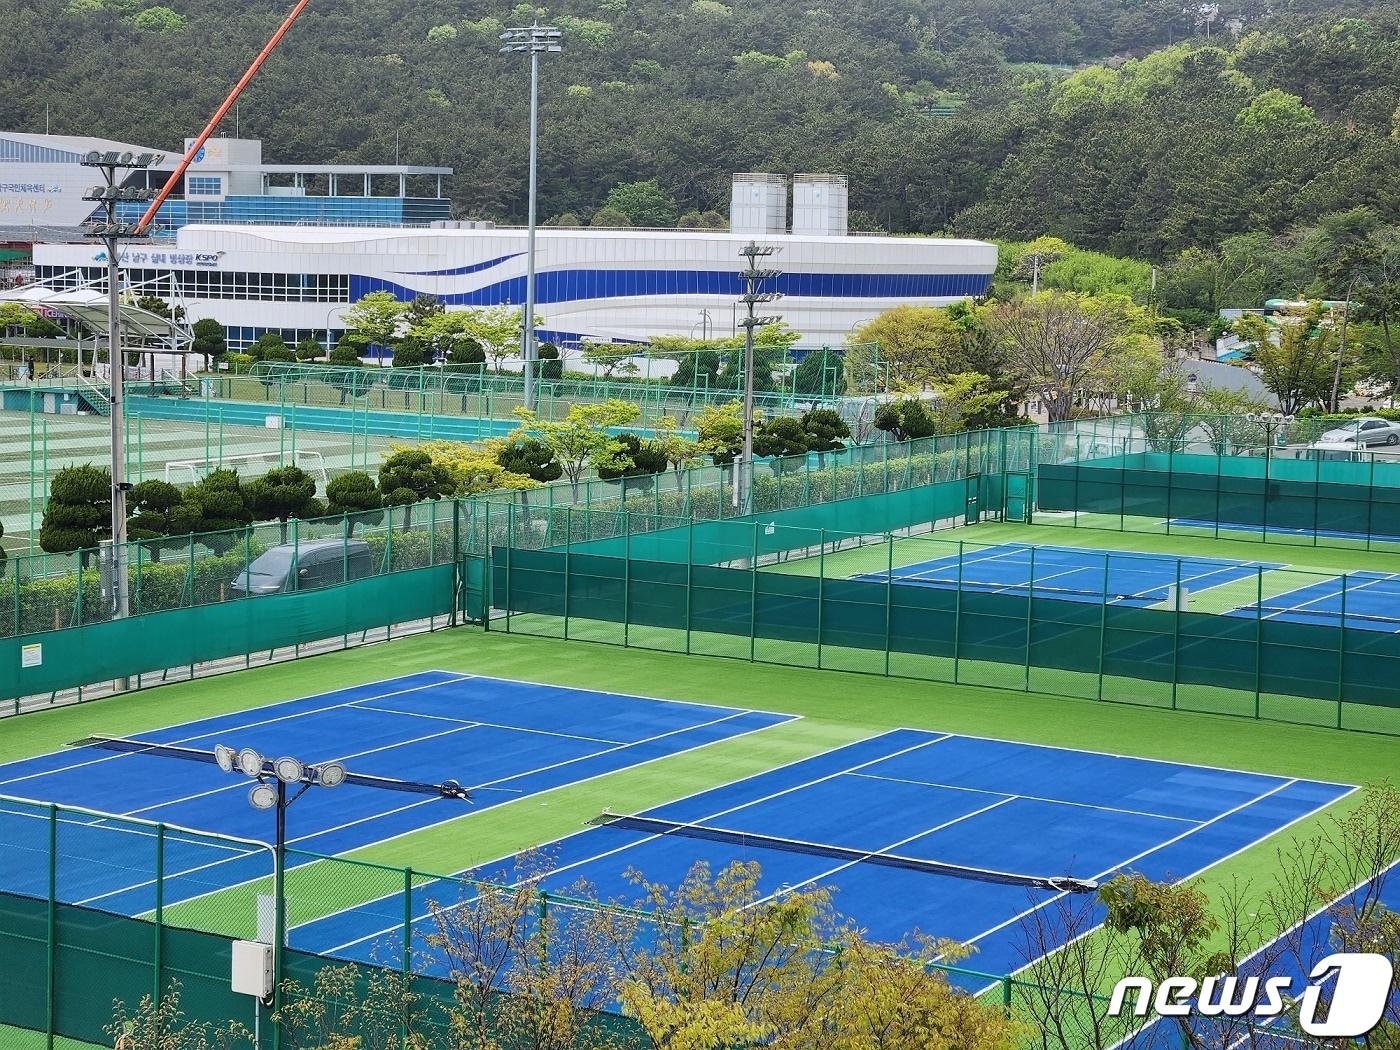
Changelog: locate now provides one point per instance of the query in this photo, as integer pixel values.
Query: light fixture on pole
(754, 277)
(533, 40)
(272, 778)
(1274, 424)
(112, 232)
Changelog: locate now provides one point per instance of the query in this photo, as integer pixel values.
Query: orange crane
(175, 176)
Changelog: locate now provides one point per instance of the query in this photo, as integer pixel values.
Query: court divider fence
(1261, 641)
(1223, 477)
(98, 909)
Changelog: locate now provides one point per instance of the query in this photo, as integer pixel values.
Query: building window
(203, 186)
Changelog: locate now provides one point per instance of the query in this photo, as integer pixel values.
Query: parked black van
(318, 563)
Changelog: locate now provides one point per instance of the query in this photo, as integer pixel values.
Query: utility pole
(754, 278)
(112, 232)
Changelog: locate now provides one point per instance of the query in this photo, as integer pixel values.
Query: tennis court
(1072, 573)
(500, 739)
(958, 837)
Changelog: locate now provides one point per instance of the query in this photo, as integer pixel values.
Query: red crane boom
(222, 112)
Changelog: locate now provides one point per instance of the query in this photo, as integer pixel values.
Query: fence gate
(973, 512)
(1016, 503)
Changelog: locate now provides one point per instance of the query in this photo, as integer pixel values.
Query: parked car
(1366, 430)
(305, 566)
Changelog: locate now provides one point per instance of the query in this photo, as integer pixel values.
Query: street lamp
(1274, 424)
(534, 40)
(753, 277)
(111, 231)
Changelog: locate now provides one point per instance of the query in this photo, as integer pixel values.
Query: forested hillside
(1285, 113)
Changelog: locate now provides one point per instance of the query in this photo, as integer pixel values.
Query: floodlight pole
(535, 39)
(111, 232)
(753, 277)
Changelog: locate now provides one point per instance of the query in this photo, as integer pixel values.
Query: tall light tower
(533, 40)
(754, 277)
(112, 232)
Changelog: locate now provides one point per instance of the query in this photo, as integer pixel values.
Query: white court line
(692, 795)
(1332, 592)
(572, 783)
(494, 725)
(788, 888)
(1131, 860)
(237, 728)
(1028, 798)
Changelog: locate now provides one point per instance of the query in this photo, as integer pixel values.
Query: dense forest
(1122, 125)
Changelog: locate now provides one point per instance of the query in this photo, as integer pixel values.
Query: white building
(621, 285)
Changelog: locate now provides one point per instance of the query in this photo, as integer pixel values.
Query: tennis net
(881, 858)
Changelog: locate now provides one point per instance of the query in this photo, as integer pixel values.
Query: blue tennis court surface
(1072, 573)
(1010, 807)
(501, 739)
(1371, 603)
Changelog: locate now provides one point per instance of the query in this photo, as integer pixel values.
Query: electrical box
(252, 968)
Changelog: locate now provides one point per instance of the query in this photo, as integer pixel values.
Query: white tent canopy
(89, 307)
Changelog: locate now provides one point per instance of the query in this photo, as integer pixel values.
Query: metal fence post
(157, 953)
(51, 997)
(753, 594)
(1176, 632)
(1030, 603)
(1258, 638)
(889, 598)
(821, 590)
(568, 554)
(957, 611)
(1103, 627)
(1342, 648)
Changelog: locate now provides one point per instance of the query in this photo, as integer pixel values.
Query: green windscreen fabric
(1241, 655)
(155, 641)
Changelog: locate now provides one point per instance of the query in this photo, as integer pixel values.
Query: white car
(1367, 430)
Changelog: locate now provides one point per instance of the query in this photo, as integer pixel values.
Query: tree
(470, 469)
(916, 343)
(905, 419)
(610, 218)
(354, 494)
(1063, 345)
(720, 430)
(779, 437)
(551, 367)
(530, 458)
(376, 318)
(496, 329)
(608, 359)
(1040, 253)
(346, 353)
(820, 373)
(210, 340)
(270, 347)
(410, 352)
(581, 439)
(166, 1026)
(156, 509)
(421, 309)
(281, 494)
(735, 965)
(78, 515)
(824, 429)
(310, 349)
(967, 401)
(680, 451)
(643, 203)
(637, 459)
(216, 507)
(1294, 358)
(409, 476)
(466, 351)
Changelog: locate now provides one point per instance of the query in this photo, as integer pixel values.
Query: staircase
(96, 396)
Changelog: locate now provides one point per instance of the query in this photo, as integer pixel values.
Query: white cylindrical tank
(758, 203)
(819, 205)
